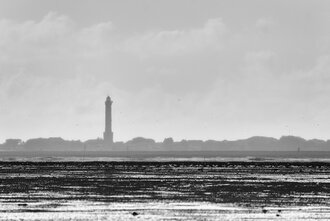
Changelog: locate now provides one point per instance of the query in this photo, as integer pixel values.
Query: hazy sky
(187, 69)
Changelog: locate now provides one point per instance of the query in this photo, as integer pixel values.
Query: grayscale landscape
(164, 110)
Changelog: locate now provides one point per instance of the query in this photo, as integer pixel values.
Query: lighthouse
(108, 134)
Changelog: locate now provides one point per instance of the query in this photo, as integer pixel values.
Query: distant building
(108, 134)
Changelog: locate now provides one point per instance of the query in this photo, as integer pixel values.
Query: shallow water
(164, 190)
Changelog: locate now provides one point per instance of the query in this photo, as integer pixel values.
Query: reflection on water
(164, 190)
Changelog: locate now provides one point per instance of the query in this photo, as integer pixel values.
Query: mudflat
(164, 190)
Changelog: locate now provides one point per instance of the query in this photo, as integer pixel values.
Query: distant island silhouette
(256, 143)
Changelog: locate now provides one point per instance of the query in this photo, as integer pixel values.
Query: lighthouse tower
(108, 134)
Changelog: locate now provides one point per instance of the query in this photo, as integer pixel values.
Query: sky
(188, 69)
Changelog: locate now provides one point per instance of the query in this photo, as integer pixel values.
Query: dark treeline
(285, 143)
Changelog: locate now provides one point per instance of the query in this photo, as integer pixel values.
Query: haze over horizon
(183, 69)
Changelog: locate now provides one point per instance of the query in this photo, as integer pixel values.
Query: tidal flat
(177, 190)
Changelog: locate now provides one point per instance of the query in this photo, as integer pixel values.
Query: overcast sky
(184, 69)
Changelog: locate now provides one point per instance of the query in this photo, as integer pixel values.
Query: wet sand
(164, 190)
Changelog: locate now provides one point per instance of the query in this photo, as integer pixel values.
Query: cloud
(52, 26)
(20, 42)
(55, 38)
(178, 42)
(264, 24)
